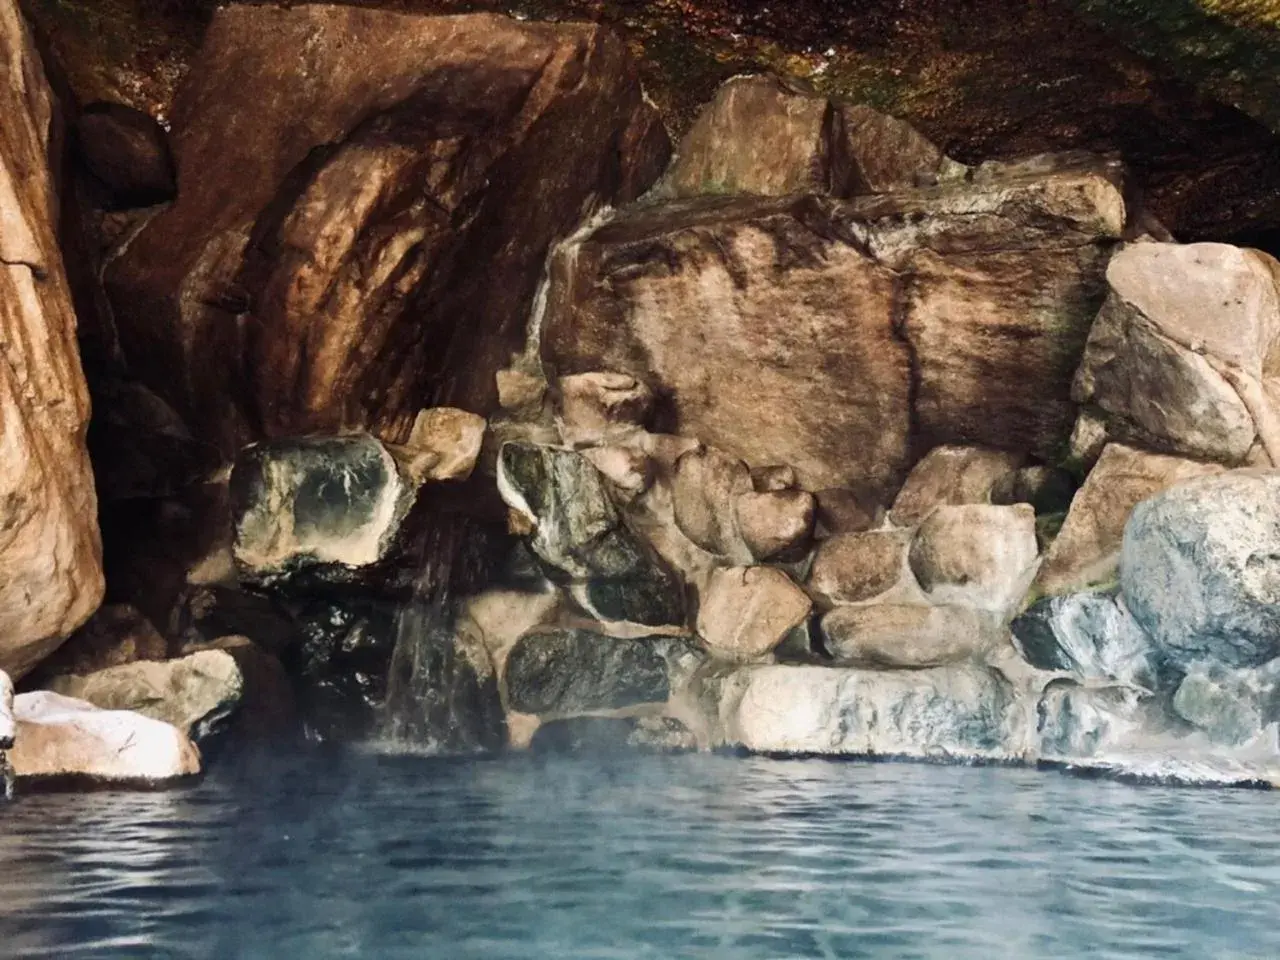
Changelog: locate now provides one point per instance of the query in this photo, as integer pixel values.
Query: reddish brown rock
(951, 475)
(365, 203)
(854, 567)
(888, 154)
(115, 635)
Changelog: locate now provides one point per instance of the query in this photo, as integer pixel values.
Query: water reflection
(368, 856)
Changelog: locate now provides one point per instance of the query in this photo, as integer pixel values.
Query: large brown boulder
(365, 203)
(50, 552)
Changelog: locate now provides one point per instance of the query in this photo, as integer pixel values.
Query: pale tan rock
(50, 551)
(518, 390)
(7, 722)
(627, 469)
(1088, 438)
(777, 523)
(58, 736)
(853, 567)
(1087, 551)
(596, 404)
(747, 611)
(501, 617)
(976, 554)
(951, 475)
(194, 693)
(444, 444)
(773, 478)
(705, 489)
(115, 635)
(907, 635)
(268, 705)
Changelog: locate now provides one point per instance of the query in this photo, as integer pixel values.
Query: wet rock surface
(563, 672)
(1091, 635)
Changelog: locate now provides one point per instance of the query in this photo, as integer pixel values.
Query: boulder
(327, 509)
(1077, 722)
(629, 471)
(950, 475)
(705, 489)
(7, 721)
(1184, 330)
(50, 551)
(115, 635)
(888, 154)
(853, 567)
(747, 611)
(444, 444)
(773, 478)
(127, 152)
(579, 532)
(267, 703)
(1049, 490)
(59, 737)
(597, 404)
(343, 272)
(520, 391)
(1091, 635)
(207, 612)
(196, 693)
(563, 672)
(775, 524)
(1231, 706)
(979, 555)
(1086, 552)
(843, 510)
(1200, 569)
(907, 635)
(951, 713)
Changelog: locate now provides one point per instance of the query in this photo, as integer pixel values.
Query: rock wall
(50, 554)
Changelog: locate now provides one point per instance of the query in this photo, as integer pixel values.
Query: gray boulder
(1091, 635)
(1200, 569)
(1231, 706)
(1077, 722)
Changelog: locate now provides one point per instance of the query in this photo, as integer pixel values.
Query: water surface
(636, 857)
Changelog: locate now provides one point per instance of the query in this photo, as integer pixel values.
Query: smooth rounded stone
(61, 737)
(127, 152)
(841, 510)
(197, 693)
(608, 734)
(597, 404)
(579, 531)
(1047, 489)
(1200, 569)
(951, 475)
(771, 479)
(444, 444)
(852, 567)
(907, 635)
(1231, 706)
(706, 487)
(747, 611)
(327, 507)
(976, 554)
(776, 523)
(7, 722)
(115, 635)
(267, 705)
(1091, 635)
(566, 671)
(1077, 722)
(629, 471)
(519, 391)
(953, 713)
(1086, 552)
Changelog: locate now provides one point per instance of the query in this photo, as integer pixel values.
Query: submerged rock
(564, 671)
(1200, 569)
(1091, 635)
(197, 693)
(951, 713)
(1231, 706)
(979, 555)
(60, 737)
(747, 611)
(580, 533)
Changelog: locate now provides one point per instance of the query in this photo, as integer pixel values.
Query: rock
(747, 611)
(442, 692)
(7, 721)
(443, 445)
(197, 693)
(608, 734)
(115, 635)
(1231, 706)
(597, 404)
(773, 478)
(208, 612)
(59, 737)
(889, 154)
(704, 495)
(888, 635)
(842, 510)
(127, 152)
(950, 475)
(580, 533)
(979, 555)
(1088, 439)
(519, 391)
(1086, 552)
(1078, 722)
(953, 713)
(564, 672)
(1090, 635)
(311, 276)
(1049, 490)
(628, 470)
(1200, 569)
(775, 524)
(500, 617)
(853, 567)
(759, 137)
(267, 703)
(328, 508)
(50, 552)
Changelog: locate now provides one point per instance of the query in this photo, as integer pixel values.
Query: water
(639, 857)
